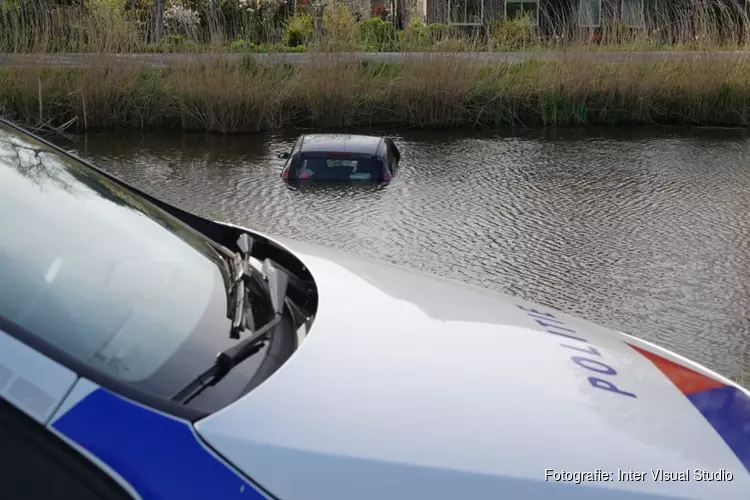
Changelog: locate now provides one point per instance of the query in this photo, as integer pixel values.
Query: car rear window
(340, 169)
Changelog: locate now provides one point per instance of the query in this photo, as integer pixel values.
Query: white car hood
(410, 386)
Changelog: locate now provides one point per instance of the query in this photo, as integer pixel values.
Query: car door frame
(383, 152)
(293, 156)
(394, 155)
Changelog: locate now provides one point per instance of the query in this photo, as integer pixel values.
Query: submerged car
(340, 157)
(337, 377)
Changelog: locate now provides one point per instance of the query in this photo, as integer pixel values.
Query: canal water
(645, 231)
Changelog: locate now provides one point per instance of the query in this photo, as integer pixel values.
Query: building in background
(556, 16)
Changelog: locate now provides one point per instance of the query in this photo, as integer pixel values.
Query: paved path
(166, 60)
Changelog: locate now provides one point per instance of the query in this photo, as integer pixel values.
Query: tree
(157, 17)
(401, 15)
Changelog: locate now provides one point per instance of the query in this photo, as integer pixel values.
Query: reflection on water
(645, 232)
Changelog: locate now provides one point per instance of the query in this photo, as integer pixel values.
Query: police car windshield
(101, 273)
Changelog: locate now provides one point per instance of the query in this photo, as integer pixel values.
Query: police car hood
(410, 386)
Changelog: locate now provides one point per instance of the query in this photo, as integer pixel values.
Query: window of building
(517, 8)
(466, 12)
(632, 13)
(590, 13)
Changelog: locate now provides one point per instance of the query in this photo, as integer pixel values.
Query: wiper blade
(234, 268)
(242, 317)
(226, 360)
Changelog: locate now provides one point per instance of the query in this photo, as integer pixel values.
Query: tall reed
(337, 92)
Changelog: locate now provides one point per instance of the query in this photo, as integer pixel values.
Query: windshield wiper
(238, 271)
(276, 282)
(241, 273)
(242, 320)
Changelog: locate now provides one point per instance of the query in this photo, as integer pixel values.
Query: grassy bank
(241, 97)
(247, 97)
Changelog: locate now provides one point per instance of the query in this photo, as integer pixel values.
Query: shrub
(421, 35)
(451, 45)
(340, 25)
(417, 35)
(298, 48)
(438, 31)
(300, 30)
(241, 45)
(176, 43)
(513, 34)
(377, 33)
(140, 4)
(270, 16)
(260, 47)
(179, 20)
(110, 6)
(139, 19)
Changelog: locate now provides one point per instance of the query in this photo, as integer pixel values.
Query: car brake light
(387, 176)
(338, 154)
(285, 173)
(304, 175)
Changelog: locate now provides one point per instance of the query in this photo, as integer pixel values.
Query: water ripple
(646, 233)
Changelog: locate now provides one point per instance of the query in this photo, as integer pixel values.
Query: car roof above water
(340, 143)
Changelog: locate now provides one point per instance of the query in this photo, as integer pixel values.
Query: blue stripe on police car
(158, 455)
